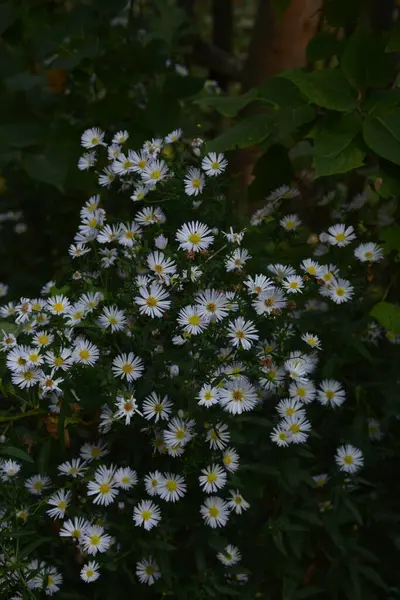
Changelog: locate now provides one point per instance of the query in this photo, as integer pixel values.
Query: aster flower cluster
(179, 333)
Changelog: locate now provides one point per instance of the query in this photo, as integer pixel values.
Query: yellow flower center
(58, 307)
(290, 412)
(95, 140)
(348, 459)
(84, 354)
(151, 301)
(194, 320)
(340, 237)
(238, 395)
(104, 488)
(127, 368)
(368, 255)
(43, 339)
(156, 174)
(211, 477)
(214, 512)
(294, 284)
(58, 361)
(238, 499)
(128, 164)
(194, 238)
(290, 224)
(128, 406)
(330, 395)
(158, 408)
(146, 515)
(208, 396)
(180, 434)
(142, 164)
(28, 375)
(340, 291)
(38, 485)
(150, 570)
(89, 573)
(171, 485)
(94, 540)
(62, 505)
(95, 452)
(227, 460)
(196, 183)
(294, 428)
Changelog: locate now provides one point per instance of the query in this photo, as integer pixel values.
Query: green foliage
(388, 315)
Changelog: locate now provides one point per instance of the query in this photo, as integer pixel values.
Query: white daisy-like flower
(171, 487)
(179, 432)
(290, 222)
(293, 284)
(112, 318)
(153, 301)
(340, 290)
(85, 353)
(146, 513)
(77, 250)
(87, 161)
(93, 137)
(194, 236)
(191, 320)
(281, 436)
(37, 484)
(127, 366)
(340, 235)
(349, 459)
(230, 459)
(237, 503)
(94, 540)
(281, 271)
(126, 408)
(174, 136)
(237, 260)
(238, 396)
(215, 512)
(331, 393)
(155, 407)
(139, 192)
(268, 302)
(60, 500)
(234, 237)
(194, 182)
(297, 428)
(147, 571)
(91, 452)
(374, 430)
(90, 572)
(208, 395)
(212, 304)
(58, 305)
(108, 234)
(368, 253)
(52, 581)
(214, 164)
(103, 487)
(218, 436)
(9, 469)
(150, 215)
(125, 478)
(258, 285)
(75, 468)
(242, 333)
(213, 478)
(311, 267)
(152, 483)
(161, 242)
(129, 234)
(120, 137)
(162, 266)
(289, 407)
(154, 172)
(312, 340)
(230, 556)
(74, 528)
(302, 390)
(320, 480)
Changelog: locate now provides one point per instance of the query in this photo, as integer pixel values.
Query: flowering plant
(179, 369)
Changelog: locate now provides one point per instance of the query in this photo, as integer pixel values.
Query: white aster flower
(74, 528)
(60, 500)
(171, 487)
(103, 487)
(230, 459)
(340, 290)
(127, 366)
(153, 301)
(126, 407)
(146, 513)
(191, 320)
(94, 540)
(297, 428)
(91, 452)
(155, 407)
(213, 478)
(214, 164)
(91, 138)
(289, 407)
(125, 478)
(242, 333)
(215, 512)
(349, 459)
(238, 396)
(37, 484)
(90, 572)
(212, 304)
(194, 182)
(147, 571)
(331, 393)
(368, 253)
(152, 483)
(112, 318)
(340, 235)
(194, 236)
(290, 222)
(237, 260)
(75, 468)
(208, 396)
(218, 436)
(230, 556)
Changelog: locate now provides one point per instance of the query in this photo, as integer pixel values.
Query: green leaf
(390, 237)
(335, 148)
(322, 46)
(247, 132)
(48, 169)
(21, 134)
(372, 575)
(8, 327)
(354, 510)
(29, 548)
(388, 315)
(327, 88)
(278, 541)
(390, 175)
(364, 61)
(15, 453)
(43, 458)
(228, 106)
(382, 134)
(288, 119)
(280, 93)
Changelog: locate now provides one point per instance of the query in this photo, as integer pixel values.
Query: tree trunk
(279, 42)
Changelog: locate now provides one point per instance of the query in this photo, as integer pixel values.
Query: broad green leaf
(327, 88)
(350, 158)
(382, 134)
(280, 93)
(15, 453)
(322, 46)
(289, 119)
(228, 106)
(48, 169)
(388, 315)
(381, 99)
(372, 575)
(336, 133)
(390, 238)
(8, 327)
(364, 61)
(247, 132)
